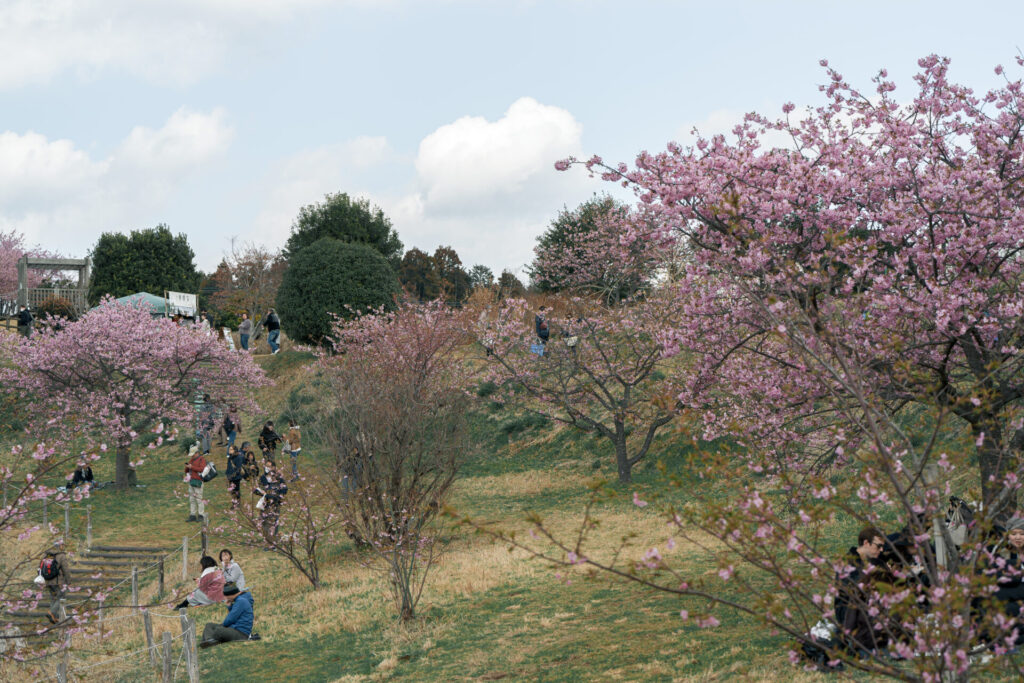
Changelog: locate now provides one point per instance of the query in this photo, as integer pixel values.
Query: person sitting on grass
(232, 572)
(857, 587)
(82, 475)
(237, 625)
(210, 588)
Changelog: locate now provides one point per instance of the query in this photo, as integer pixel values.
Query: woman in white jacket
(232, 572)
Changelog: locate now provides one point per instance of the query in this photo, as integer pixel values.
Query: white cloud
(165, 42)
(473, 162)
(34, 169)
(62, 198)
(186, 140)
(305, 177)
(487, 188)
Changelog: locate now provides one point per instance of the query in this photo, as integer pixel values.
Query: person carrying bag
(194, 478)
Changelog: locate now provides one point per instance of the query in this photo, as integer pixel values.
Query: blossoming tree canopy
(600, 248)
(892, 232)
(119, 372)
(602, 372)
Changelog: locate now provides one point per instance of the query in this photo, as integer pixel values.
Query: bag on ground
(821, 639)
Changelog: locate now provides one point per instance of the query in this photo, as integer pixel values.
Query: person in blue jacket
(237, 625)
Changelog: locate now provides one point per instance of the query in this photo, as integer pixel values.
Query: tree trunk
(621, 455)
(994, 463)
(125, 475)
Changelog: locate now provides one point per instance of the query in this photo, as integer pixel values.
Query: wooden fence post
(62, 672)
(66, 655)
(88, 527)
(167, 657)
(67, 521)
(135, 586)
(5, 494)
(188, 644)
(46, 517)
(193, 673)
(160, 589)
(202, 536)
(184, 559)
(147, 622)
(100, 610)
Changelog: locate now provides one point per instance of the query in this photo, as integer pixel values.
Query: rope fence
(74, 523)
(70, 660)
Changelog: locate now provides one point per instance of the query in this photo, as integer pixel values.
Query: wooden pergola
(34, 296)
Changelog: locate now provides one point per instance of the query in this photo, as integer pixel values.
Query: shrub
(332, 277)
(56, 306)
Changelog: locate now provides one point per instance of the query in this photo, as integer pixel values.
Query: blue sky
(222, 118)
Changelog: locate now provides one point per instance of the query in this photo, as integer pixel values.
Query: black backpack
(49, 568)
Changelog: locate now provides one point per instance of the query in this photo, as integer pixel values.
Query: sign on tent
(179, 303)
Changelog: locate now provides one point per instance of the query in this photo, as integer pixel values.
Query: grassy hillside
(487, 613)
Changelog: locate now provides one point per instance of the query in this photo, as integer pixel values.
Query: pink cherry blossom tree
(395, 418)
(852, 317)
(602, 248)
(892, 231)
(601, 372)
(118, 373)
(12, 248)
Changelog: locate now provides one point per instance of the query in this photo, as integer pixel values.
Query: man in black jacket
(25, 321)
(273, 325)
(269, 439)
(235, 473)
(858, 593)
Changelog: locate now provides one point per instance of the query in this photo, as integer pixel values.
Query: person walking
(273, 488)
(268, 439)
(293, 441)
(540, 322)
(207, 418)
(25, 321)
(235, 473)
(244, 331)
(237, 625)
(194, 478)
(250, 466)
(56, 575)
(273, 325)
(232, 424)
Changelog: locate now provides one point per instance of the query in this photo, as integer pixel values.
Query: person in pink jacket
(210, 588)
